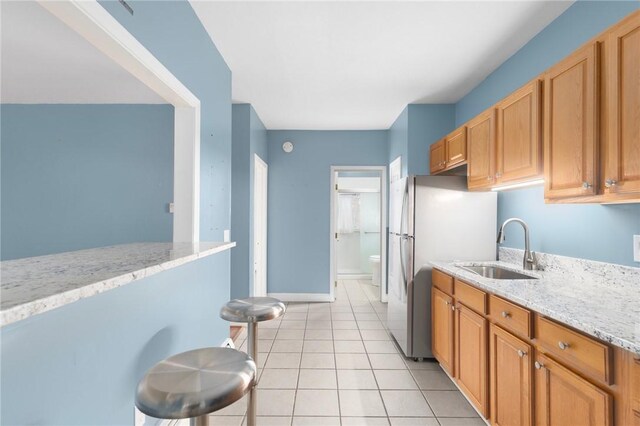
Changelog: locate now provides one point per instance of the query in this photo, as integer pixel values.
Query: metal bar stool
(252, 311)
(195, 383)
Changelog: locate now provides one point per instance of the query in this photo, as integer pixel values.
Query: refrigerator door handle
(403, 238)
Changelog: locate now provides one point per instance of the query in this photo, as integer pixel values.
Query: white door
(260, 177)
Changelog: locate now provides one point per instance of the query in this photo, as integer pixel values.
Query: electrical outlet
(636, 248)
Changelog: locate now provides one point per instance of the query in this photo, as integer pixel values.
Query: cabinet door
(511, 379)
(570, 124)
(471, 357)
(481, 138)
(437, 157)
(442, 329)
(566, 399)
(622, 144)
(519, 147)
(456, 146)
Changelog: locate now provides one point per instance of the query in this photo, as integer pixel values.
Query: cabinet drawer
(471, 296)
(510, 316)
(442, 281)
(582, 352)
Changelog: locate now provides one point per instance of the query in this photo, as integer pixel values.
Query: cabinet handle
(447, 302)
(586, 185)
(521, 353)
(563, 345)
(610, 182)
(538, 365)
(453, 308)
(498, 175)
(505, 314)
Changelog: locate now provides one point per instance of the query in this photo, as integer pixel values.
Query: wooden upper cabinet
(570, 125)
(471, 357)
(564, 398)
(437, 159)
(511, 373)
(519, 147)
(621, 148)
(481, 142)
(456, 146)
(442, 329)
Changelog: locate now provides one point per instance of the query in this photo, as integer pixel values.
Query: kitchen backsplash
(577, 269)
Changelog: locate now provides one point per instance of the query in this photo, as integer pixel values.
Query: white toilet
(375, 267)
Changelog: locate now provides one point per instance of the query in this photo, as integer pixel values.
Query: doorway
(260, 179)
(358, 224)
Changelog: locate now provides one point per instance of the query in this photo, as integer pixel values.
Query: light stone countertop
(38, 284)
(600, 299)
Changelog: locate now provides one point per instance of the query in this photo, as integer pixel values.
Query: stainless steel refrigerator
(431, 218)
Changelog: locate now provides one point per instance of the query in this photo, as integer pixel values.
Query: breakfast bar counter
(34, 285)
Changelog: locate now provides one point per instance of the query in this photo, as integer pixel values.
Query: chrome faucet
(529, 262)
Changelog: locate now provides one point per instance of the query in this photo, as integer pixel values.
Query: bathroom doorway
(358, 222)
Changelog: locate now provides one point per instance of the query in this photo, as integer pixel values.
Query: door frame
(259, 163)
(333, 264)
(92, 22)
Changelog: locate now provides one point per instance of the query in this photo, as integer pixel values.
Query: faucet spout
(529, 262)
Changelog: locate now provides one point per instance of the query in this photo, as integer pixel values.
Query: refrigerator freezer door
(396, 198)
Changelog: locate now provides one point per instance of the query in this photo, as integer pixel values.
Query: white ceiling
(356, 64)
(44, 61)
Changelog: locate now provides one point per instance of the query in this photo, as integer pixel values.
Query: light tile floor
(335, 364)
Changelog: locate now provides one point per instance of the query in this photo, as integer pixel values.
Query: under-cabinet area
(575, 125)
(520, 367)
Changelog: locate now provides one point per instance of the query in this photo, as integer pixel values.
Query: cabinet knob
(453, 308)
(521, 353)
(489, 178)
(538, 365)
(505, 314)
(498, 174)
(586, 185)
(610, 182)
(447, 302)
(563, 345)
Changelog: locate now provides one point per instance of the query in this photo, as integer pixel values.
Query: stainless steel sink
(497, 273)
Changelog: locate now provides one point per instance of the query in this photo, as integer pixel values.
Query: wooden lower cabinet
(442, 329)
(504, 361)
(511, 379)
(471, 357)
(562, 398)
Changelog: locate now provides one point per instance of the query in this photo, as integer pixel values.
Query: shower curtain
(348, 213)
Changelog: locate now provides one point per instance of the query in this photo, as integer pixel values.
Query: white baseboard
(302, 297)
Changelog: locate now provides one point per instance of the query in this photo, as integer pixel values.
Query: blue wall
(398, 140)
(81, 176)
(299, 200)
(427, 124)
(249, 138)
(80, 364)
(173, 33)
(415, 129)
(595, 232)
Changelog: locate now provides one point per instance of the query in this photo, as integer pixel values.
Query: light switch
(636, 248)
(227, 235)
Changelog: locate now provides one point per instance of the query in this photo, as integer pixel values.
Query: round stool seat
(195, 383)
(252, 309)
